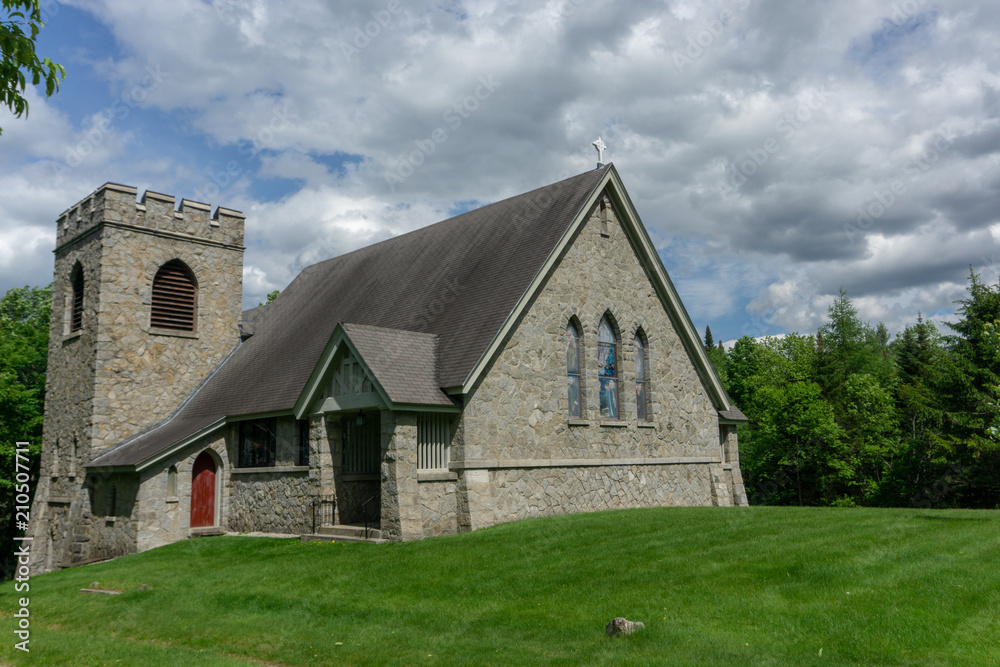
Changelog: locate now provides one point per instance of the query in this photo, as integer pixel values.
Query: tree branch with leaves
(20, 21)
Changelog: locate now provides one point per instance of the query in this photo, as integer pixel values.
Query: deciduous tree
(20, 21)
(24, 336)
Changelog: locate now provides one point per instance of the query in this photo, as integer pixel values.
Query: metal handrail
(364, 507)
(322, 502)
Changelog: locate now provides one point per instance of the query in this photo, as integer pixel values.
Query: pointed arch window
(76, 307)
(642, 406)
(175, 297)
(574, 385)
(607, 368)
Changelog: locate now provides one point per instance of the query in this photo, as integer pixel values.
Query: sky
(777, 152)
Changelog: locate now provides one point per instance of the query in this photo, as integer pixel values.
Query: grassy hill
(714, 586)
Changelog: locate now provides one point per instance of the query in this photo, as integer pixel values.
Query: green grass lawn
(714, 586)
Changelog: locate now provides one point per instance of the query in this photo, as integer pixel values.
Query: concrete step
(345, 533)
(342, 538)
(349, 530)
(206, 532)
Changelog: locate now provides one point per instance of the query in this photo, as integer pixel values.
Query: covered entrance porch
(350, 507)
(370, 392)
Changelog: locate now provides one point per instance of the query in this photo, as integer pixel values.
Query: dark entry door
(203, 491)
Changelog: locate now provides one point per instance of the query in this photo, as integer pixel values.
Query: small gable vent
(174, 298)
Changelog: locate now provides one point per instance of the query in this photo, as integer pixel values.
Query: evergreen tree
(927, 373)
(973, 396)
(847, 346)
(709, 343)
(882, 338)
(717, 356)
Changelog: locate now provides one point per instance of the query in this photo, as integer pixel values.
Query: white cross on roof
(599, 145)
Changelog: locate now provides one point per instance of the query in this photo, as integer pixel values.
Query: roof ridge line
(454, 217)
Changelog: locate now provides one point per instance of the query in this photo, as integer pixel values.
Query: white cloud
(753, 156)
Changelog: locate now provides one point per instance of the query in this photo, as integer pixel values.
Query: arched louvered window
(641, 375)
(575, 388)
(76, 308)
(175, 298)
(607, 368)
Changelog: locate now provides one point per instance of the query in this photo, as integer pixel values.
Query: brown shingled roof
(733, 413)
(457, 281)
(404, 363)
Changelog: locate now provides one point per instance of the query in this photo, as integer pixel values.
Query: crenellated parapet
(116, 204)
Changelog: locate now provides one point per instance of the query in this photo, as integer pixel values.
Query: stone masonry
(117, 375)
(521, 455)
(272, 500)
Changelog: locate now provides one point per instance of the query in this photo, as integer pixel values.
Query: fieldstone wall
(439, 507)
(731, 456)
(520, 411)
(104, 526)
(522, 402)
(401, 514)
(274, 500)
(532, 492)
(133, 359)
(164, 517)
(61, 498)
(84, 526)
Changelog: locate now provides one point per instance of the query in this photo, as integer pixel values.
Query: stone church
(527, 358)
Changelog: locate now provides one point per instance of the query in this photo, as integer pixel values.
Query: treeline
(849, 417)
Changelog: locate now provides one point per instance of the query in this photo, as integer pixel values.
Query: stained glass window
(573, 371)
(607, 369)
(641, 394)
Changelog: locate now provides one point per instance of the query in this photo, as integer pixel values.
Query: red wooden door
(203, 491)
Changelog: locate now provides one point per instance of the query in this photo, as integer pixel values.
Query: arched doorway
(203, 491)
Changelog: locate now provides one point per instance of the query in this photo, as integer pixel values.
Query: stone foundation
(439, 507)
(271, 502)
(523, 493)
